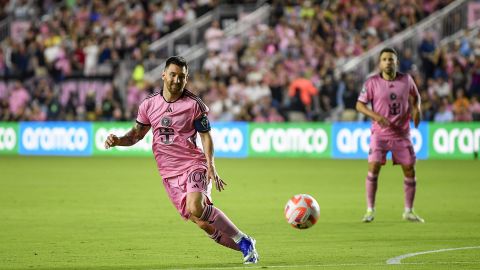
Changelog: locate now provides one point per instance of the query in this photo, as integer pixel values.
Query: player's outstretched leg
(215, 234)
(220, 227)
(222, 223)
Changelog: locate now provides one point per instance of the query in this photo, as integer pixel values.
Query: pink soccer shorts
(194, 180)
(402, 151)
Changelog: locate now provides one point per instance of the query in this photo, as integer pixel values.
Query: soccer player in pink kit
(176, 116)
(395, 99)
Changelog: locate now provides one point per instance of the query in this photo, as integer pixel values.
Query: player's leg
(371, 183)
(403, 154)
(198, 205)
(219, 227)
(410, 187)
(176, 188)
(376, 158)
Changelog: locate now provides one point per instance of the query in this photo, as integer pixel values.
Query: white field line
(398, 259)
(304, 266)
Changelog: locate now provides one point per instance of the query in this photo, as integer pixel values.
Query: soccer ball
(302, 211)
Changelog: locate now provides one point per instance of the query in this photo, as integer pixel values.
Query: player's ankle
(236, 238)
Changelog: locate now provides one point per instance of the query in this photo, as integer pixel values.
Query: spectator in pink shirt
(475, 108)
(18, 99)
(36, 113)
(3, 66)
(214, 36)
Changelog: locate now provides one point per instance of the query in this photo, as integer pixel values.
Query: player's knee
(202, 224)
(409, 171)
(195, 209)
(374, 168)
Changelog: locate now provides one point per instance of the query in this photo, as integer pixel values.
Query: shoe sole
(414, 220)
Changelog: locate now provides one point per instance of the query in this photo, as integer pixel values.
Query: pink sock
(371, 187)
(219, 221)
(409, 187)
(218, 237)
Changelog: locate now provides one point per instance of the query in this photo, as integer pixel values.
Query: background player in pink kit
(176, 116)
(395, 99)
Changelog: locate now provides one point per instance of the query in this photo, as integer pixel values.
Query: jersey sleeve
(142, 116)
(200, 109)
(413, 90)
(200, 119)
(365, 95)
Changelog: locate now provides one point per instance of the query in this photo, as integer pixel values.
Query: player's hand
(382, 121)
(111, 141)
(212, 175)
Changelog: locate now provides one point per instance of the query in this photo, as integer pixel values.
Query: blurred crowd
(285, 71)
(87, 37)
(450, 78)
(281, 71)
(42, 60)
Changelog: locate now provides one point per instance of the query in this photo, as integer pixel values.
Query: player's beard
(175, 88)
(390, 71)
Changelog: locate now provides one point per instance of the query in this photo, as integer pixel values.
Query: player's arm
(207, 144)
(362, 107)
(130, 138)
(202, 126)
(415, 103)
(212, 174)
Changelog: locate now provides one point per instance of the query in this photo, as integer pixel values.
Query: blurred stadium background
(281, 79)
(254, 62)
(96, 60)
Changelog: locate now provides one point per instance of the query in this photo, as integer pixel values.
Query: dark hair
(176, 60)
(388, 50)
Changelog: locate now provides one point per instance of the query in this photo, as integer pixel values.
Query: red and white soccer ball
(302, 211)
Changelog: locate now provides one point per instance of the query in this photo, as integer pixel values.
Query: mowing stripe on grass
(303, 266)
(398, 259)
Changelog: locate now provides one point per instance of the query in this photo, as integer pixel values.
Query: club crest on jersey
(166, 121)
(393, 96)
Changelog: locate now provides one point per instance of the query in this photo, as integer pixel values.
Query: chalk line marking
(398, 259)
(303, 266)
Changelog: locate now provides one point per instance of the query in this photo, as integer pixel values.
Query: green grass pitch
(113, 213)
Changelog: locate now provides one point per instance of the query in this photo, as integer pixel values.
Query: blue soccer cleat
(247, 246)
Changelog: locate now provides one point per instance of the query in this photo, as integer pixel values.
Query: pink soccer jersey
(390, 99)
(173, 130)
